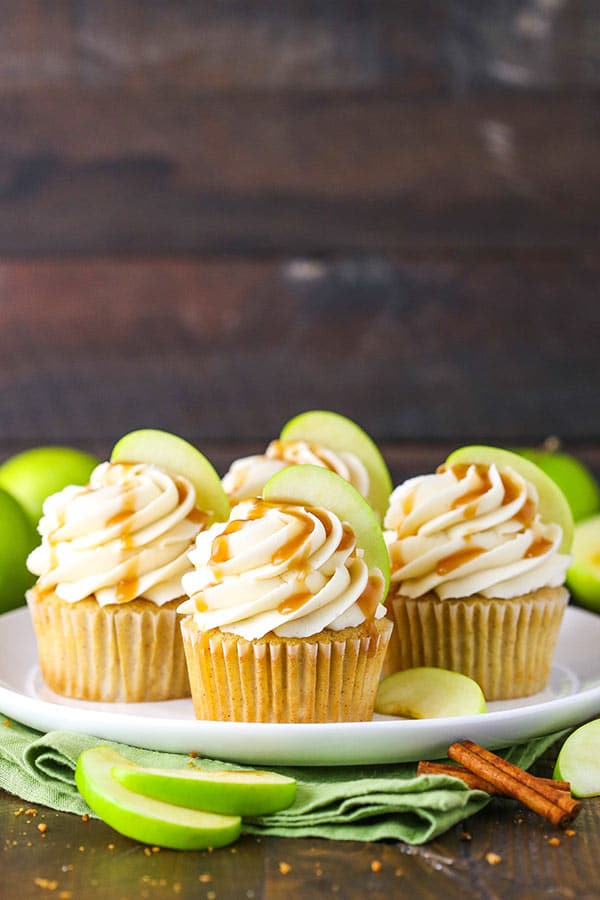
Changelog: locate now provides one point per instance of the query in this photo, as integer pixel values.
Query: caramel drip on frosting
(449, 563)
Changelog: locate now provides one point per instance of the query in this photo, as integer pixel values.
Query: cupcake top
(123, 536)
(247, 476)
(471, 529)
(279, 567)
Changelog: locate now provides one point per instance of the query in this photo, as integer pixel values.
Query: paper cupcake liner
(130, 653)
(330, 677)
(504, 645)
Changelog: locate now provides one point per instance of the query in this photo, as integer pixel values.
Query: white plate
(572, 696)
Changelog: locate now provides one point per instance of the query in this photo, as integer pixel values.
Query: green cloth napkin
(365, 803)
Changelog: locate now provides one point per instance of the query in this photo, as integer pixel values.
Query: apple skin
(573, 478)
(583, 575)
(170, 452)
(17, 539)
(552, 503)
(314, 486)
(142, 818)
(242, 793)
(336, 432)
(35, 474)
(579, 761)
(426, 692)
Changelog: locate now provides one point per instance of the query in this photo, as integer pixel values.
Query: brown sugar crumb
(147, 851)
(42, 828)
(6, 723)
(205, 878)
(85, 818)
(570, 832)
(193, 754)
(156, 849)
(110, 846)
(46, 884)
(493, 858)
(519, 820)
(376, 866)
(554, 842)
(19, 811)
(31, 812)
(65, 895)
(177, 887)
(285, 868)
(465, 836)
(398, 872)
(211, 895)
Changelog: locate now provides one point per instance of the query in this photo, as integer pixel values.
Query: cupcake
(477, 572)
(317, 438)
(109, 567)
(284, 621)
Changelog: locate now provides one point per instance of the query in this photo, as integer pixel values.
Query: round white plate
(572, 696)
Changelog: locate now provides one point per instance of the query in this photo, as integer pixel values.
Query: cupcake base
(329, 677)
(504, 645)
(127, 653)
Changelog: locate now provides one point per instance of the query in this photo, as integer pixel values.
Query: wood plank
(168, 173)
(227, 351)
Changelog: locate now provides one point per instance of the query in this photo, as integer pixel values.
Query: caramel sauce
(449, 563)
(511, 490)
(526, 514)
(128, 587)
(370, 597)
(293, 603)
(396, 557)
(538, 548)
(347, 540)
(408, 504)
(200, 605)
(469, 501)
(220, 546)
(198, 517)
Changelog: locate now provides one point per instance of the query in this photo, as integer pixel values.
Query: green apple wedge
(34, 474)
(143, 818)
(314, 486)
(552, 503)
(338, 433)
(426, 692)
(579, 761)
(160, 448)
(230, 792)
(583, 575)
(17, 539)
(573, 478)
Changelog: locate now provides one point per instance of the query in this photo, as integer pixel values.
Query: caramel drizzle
(370, 598)
(461, 558)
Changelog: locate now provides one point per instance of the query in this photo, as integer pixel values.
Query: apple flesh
(315, 486)
(242, 793)
(17, 539)
(336, 432)
(583, 575)
(160, 448)
(429, 693)
(579, 761)
(552, 503)
(573, 478)
(34, 474)
(143, 818)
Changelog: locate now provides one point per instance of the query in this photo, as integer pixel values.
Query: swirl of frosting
(123, 536)
(471, 530)
(247, 476)
(276, 567)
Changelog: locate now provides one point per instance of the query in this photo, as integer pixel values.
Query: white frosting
(247, 476)
(123, 536)
(471, 530)
(282, 568)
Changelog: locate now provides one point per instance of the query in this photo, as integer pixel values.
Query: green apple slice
(160, 448)
(579, 761)
(315, 486)
(552, 503)
(583, 575)
(34, 474)
(232, 792)
(573, 478)
(143, 818)
(429, 693)
(17, 539)
(340, 434)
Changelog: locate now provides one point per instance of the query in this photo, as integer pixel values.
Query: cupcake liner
(504, 645)
(126, 653)
(330, 677)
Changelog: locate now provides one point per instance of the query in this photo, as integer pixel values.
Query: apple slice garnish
(230, 792)
(336, 432)
(579, 761)
(552, 503)
(143, 818)
(167, 451)
(426, 692)
(314, 486)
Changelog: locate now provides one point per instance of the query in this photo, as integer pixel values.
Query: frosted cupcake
(109, 569)
(477, 573)
(285, 621)
(317, 438)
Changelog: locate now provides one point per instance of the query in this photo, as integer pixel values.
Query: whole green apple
(17, 539)
(583, 575)
(573, 478)
(34, 474)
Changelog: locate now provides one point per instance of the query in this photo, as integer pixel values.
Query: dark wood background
(214, 215)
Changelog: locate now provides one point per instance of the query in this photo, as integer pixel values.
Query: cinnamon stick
(476, 782)
(554, 805)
